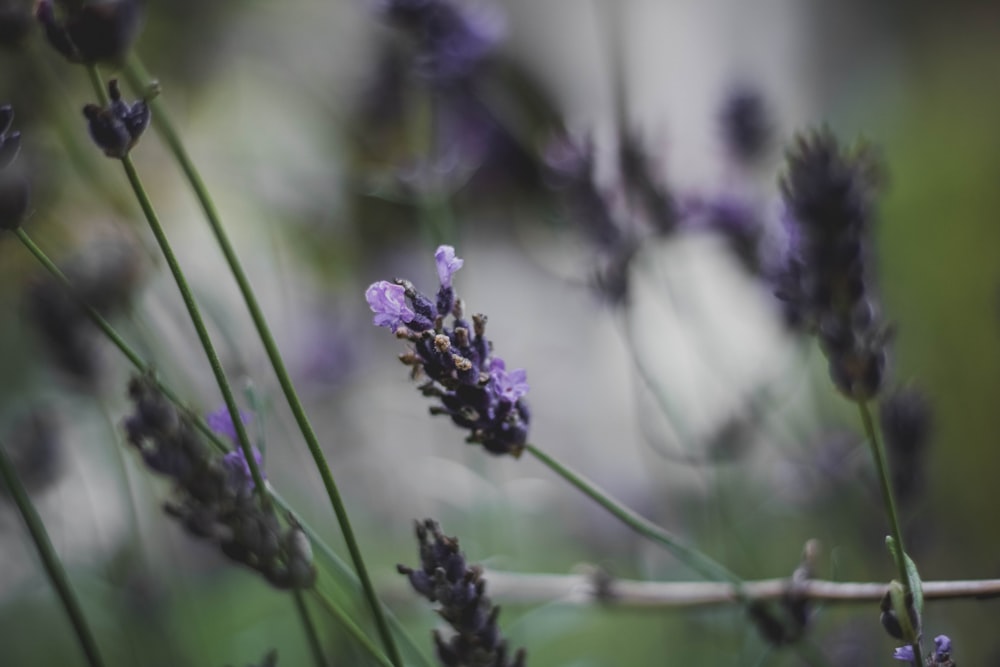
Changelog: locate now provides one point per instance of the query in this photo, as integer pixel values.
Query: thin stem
(889, 502)
(885, 486)
(310, 629)
(216, 441)
(690, 556)
(135, 73)
(199, 324)
(352, 628)
(50, 560)
(192, 307)
(594, 587)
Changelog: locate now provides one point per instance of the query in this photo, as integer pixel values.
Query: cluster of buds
(214, 495)
(474, 386)
(117, 127)
(93, 31)
(444, 577)
(829, 195)
(13, 185)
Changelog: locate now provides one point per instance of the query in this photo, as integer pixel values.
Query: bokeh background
(338, 154)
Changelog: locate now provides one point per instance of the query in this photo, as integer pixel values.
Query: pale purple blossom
(904, 654)
(509, 386)
(388, 302)
(942, 648)
(447, 264)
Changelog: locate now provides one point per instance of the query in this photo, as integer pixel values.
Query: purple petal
(221, 422)
(942, 646)
(238, 467)
(447, 264)
(388, 302)
(904, 654)
(507, 386)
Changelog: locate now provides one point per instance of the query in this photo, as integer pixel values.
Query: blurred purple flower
(221, 422)
(388, 303)
(239, 470)
(450, 40)
(508, 386)
(234, 462)
(447, 264)
(904, 654)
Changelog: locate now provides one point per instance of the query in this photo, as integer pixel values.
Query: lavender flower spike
(388, 302)
(904, 654)
(447, 264)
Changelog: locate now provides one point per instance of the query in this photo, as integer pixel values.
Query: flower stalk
(50, 561)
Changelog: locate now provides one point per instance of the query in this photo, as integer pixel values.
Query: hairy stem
(137, 78)
(50, 560)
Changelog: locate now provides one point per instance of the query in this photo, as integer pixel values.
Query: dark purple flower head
(444, 577)
(447, 264)
(829, 193)
(450, 41)
(116, 128)
(474, 387)
(388, 302)
(746, 125)
(904, 654)
(93, 31)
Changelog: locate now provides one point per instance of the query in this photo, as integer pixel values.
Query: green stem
(192, 307)
(353, 629)
(136, 76)
(889, 502)
(688, 555)
(199, 324)
(310, 629)
(50, 560)
(216, 441)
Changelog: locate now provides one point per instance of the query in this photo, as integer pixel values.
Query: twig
(597, 587)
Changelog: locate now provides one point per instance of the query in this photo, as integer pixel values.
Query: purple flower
(447, 264)
(508, 386)
(234, 462)
(942, 648)
(221, 422)
(239, 470)
(904, 654)
(388, 302)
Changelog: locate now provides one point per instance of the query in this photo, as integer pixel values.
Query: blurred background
(608, 171)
